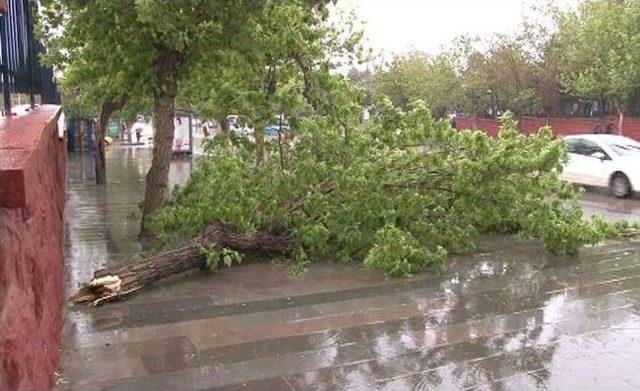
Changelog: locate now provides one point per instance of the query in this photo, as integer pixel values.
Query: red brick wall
(32, 197)
(560, 126)
(490, 126)
(630, 127)
(529, 124)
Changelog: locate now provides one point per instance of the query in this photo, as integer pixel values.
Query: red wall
(32, 197)
(560, 126)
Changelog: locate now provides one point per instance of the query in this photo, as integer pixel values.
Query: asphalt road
(610, 207)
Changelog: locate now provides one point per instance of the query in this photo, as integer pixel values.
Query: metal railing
(20, 69)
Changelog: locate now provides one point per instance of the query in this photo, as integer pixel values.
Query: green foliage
(280, 62)
(477, 76)
(398, 194)
(214, 256)
(590, 53)
(399, 254)
(101, 51)
(619, 228)
(420, 76)
(600, 47)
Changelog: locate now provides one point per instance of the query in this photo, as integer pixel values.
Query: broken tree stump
(117, 282)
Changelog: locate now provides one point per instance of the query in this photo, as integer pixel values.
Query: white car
(604, 160)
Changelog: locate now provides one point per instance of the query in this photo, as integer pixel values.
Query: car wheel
(620, 186)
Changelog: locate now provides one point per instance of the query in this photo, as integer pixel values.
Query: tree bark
(307, 89)
(224, 124)
(82, 134)
(116, 283)
(157, 181)
(258, 134)
(280, 142)
(99, 151)
(271, 85)
(620, 121)
(107, 108)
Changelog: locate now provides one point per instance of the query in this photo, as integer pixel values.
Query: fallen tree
(398, 195)
(115, 283)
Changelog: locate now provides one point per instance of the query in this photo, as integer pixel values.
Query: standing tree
(82, 43)
(285, 67)
(117, 49)
(364, 79)
(470, 65)
(513, 76)
(417, 75)
(497, 75)
(600, 51)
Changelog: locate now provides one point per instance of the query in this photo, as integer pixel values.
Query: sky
(399, 26)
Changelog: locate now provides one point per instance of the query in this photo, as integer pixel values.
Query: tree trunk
(280, 142)
(117, 282)
(107, 108)
(258, 133)
(307, 89)
(620, 121)
(98, 152)
(163, 114)
(271, 86)
(82, 134)
(224, 124)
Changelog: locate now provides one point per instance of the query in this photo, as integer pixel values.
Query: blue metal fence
(20, 69)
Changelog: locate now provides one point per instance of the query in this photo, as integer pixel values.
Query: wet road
(510, 317)
(597, 201)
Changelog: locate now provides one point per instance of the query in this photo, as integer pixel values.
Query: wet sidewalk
(510, 317)
(102, 223)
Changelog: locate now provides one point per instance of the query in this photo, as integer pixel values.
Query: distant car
(604, 160)
(272, 130)
(232, 121)
(274, 127)
(237, 128)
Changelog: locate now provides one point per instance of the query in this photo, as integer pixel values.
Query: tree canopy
(432, 79)
(585, 54)
(600, 48)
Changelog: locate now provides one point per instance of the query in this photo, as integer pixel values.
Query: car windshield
(625, 148)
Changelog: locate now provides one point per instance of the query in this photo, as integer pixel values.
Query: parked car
(232, 121)
(236, 127)
(604, 160)
(273, 128)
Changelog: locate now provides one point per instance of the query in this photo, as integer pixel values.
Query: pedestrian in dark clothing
(609, 128)
(599, 129)
(138, 135)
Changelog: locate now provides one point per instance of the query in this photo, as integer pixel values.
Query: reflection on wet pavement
(510, 317)
(102, 222)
